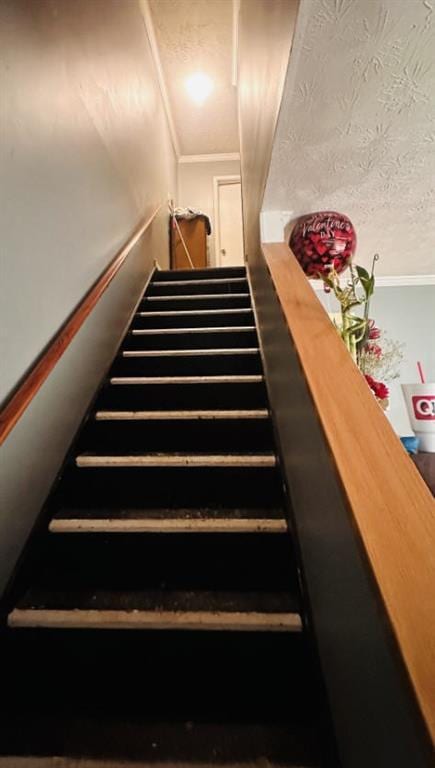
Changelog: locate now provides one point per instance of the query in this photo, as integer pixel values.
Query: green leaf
(362, 274)
(367, 281)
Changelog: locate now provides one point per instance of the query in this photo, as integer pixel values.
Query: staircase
(158, 621)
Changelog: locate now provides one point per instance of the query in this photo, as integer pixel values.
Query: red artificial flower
(374, 349)
(374, 332)
(380, 390)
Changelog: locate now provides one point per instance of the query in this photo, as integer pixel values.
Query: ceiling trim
(235, 61)
(149, 25)
(391, 281)
(216, 158)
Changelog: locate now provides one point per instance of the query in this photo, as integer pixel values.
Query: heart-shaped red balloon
(323, 240)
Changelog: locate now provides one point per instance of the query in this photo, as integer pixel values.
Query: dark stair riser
(174, 303)
(196, 435)
(138, 487)
(194, 340)
(193, 320)
(189, 365)
(182, 396)
(134, 694)
(193, 744)
(104, 571)
(166, 515)
(203, 287)
(198, 274)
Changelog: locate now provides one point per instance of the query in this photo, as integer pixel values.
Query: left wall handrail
(34, 379)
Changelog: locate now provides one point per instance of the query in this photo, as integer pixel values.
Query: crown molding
(216, 158)
(391, 281)
(149, 26)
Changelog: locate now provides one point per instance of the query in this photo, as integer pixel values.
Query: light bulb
(199, 87)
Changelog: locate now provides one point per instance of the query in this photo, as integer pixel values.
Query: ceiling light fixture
(199, 87)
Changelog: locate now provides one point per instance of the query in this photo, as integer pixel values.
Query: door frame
(220, 181)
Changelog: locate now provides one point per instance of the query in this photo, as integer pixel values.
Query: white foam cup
(420, 402)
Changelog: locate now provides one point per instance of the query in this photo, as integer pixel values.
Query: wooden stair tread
(176, 460)
(190, 312)
(168, 521)
(209, 329)
(197, 296)
(243, 379)
(155, 619)
(259, 413)
(189, 352)
(116, 524)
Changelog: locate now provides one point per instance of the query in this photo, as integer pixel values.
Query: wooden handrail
(33, 381)
(393, 509)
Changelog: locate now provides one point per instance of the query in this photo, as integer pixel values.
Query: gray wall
(85, 154)
(406, 314)
(196, 190)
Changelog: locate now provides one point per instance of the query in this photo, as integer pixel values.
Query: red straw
(420, 370)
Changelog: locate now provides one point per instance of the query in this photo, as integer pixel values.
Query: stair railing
(34, 379)
(364, 521)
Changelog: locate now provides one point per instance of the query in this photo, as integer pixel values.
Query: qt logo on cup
(420, 404)
(424, 407)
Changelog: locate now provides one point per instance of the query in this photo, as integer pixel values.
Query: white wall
(86, 155)
(355, 130)
(195, 189)
(406, 314)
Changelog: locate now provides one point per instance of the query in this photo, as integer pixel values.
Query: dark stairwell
(157, 616)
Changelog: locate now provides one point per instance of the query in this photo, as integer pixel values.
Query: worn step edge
(178, 620)
(169, 525)
(15, 761)
(178, 312)
(253, 379)
(212, 329)
(178, 415)
(196, 296)
(190, 352)
(178, 460)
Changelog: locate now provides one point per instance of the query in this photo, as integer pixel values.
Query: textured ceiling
(356, 132)
(193, 36)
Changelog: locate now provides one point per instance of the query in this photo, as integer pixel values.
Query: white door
(229, 224)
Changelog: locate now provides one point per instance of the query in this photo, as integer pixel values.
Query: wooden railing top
(33, 381)
(392, 507)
